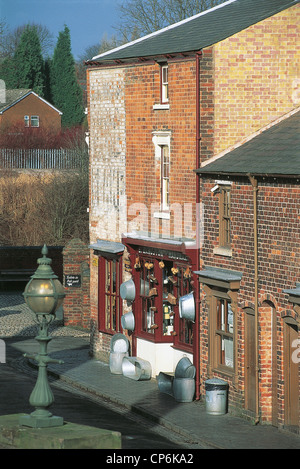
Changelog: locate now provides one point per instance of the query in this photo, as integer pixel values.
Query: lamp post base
(41, 422)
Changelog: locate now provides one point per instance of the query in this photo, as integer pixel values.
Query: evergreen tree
(29, 63)
(65, 91)
(8, 73)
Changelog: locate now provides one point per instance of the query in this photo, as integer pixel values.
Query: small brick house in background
(25, 107)
(159, 108)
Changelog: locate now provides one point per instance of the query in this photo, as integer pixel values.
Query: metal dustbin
(184, 389)
(216, 391)
(119, 346)
(115, 362)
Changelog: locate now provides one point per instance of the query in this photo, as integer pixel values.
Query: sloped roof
(12, 97)
(275, 152)
(199, 31)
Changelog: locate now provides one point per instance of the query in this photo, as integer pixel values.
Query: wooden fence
(11, 158)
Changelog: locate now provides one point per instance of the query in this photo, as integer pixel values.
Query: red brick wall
(142, 173)
(278, 269)
(76, 304)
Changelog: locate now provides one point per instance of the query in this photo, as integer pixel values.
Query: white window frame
(164, 84)
(26, 121)
(34, 119)
(165, 178)
(162, 139)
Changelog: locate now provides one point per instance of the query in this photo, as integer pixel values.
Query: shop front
(163, 307)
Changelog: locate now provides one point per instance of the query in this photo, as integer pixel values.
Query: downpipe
(254, 184)
(198, 138)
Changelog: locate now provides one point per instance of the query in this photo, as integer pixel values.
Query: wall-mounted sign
(72, 280)
(127, 265)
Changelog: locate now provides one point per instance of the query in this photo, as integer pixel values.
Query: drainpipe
(255, 233)
(197, 294)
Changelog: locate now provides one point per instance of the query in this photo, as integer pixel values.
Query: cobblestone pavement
(18, 320)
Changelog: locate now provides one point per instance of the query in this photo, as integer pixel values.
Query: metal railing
(17, 158)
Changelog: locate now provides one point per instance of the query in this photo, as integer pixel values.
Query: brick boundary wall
(76, 306)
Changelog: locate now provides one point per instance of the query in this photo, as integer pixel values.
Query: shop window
(110, 309)
(162, 282)
(147, 296)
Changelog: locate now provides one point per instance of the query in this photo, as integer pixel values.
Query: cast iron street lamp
(43, 294)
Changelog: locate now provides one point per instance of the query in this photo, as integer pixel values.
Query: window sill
(227, 373)
(220, 251)
(162, 215)
(159, 107)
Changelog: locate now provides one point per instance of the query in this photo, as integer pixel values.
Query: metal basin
(165, 383)
(136, 368)
(127, 321)
(185, 368)
(127, 290)
(187, 307)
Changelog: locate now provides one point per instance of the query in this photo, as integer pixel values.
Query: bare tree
(106, 43)
(141, 17)
(10, 39)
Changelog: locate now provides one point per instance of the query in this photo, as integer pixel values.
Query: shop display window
(110, 304)
(161, 283)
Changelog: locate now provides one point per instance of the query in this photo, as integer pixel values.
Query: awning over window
(217, 277)
(106, 248)
(294, 294)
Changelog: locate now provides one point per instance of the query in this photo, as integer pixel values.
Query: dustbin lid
(215, 384)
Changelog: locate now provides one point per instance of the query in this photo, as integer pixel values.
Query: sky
(88, 20)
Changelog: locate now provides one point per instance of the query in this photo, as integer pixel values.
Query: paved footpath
(142, 397)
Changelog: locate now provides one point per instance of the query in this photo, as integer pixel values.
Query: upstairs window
(31, 121)
(164, 84)
(165, 177)
(35, 121)
(224, 217)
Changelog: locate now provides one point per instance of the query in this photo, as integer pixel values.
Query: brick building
(249, 273)
(25, 108)
(159, 108)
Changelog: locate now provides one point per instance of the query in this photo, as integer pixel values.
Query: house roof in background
(274, 152)
(12, 97)
(199, 31)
